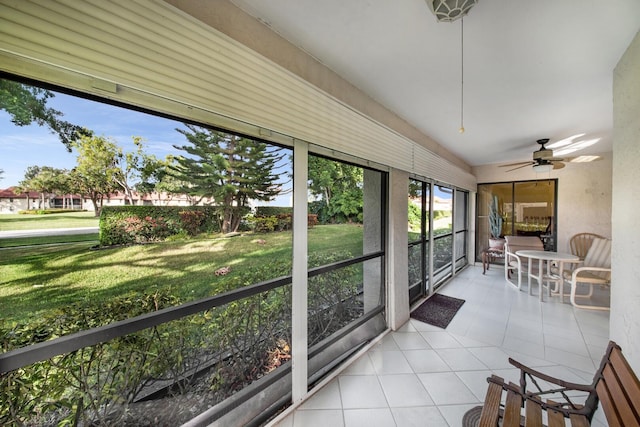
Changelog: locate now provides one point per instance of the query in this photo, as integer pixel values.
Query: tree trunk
(226, 220)
(235, 222)
(96, 208)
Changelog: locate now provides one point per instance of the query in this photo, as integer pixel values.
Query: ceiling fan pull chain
(461, 75)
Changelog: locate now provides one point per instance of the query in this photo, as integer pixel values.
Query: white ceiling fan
(543, 160)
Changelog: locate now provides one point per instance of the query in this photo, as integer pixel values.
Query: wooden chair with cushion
(581, 242)
(595, 269)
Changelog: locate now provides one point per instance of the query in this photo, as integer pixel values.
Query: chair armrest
(575, 273)
(573, 264)
(579, 269)
(512, 255)
(525, 370)
(567, 408)
(508, 254)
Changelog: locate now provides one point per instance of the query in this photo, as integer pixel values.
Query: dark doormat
(438, 310)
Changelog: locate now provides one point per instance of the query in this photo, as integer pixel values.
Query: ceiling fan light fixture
(543, 168)
(450, 10)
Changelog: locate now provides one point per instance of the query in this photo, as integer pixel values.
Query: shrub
(280, 222)
(320, 209)
(147, 229)
(123, 225)
(85, 385)
(273, 210)
(49, 211)
(133, 229)
(264, 224)
(312, 220)
(192, 221)
(243, 339)
(284, 222)
(415, 217)
(332, 296)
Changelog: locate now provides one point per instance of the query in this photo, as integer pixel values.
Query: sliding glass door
(419, 203)
(527, 208)
(437, 235)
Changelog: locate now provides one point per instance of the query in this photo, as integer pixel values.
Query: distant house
(13, 202)
(151, 199)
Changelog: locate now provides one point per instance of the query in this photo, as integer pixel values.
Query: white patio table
(545, 275)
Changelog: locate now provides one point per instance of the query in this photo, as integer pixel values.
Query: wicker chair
(581, 242)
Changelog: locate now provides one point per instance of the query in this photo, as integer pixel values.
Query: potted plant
(495, 225)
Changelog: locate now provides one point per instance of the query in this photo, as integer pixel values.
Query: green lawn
(37, 279)
(48, 240)
(62, 220)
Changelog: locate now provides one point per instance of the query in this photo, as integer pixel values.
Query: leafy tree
(43, 179)
(129, 165)
(31, 172)
(339, 189)
(415, 188)
(28, 104)
(65, 188)
(96, 170)
(228, 168)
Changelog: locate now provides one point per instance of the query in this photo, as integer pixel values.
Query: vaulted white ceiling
(532, 69)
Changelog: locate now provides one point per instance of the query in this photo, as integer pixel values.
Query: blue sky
(21, 147)
(25, 146)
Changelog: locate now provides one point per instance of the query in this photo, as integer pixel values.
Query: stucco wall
(584, 194)
(625, 276)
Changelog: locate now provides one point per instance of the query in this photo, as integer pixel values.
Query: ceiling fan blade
(558, 165)
(516, 164)
(520, 167)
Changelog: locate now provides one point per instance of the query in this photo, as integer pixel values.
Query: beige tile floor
(422, 375)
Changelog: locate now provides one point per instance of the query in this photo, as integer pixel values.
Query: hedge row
(281, 222)
(122, 225)
(49, 211)
(273, 210)
(125, 225)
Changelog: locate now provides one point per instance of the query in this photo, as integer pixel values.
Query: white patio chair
(594, 270)
(513, 263)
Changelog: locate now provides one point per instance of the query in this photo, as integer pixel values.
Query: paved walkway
(47, 232)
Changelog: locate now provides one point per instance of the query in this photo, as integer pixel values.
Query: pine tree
(229, 168)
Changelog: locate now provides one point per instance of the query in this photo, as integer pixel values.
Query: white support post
(431, 242)
(397, 251)
(299, 351)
